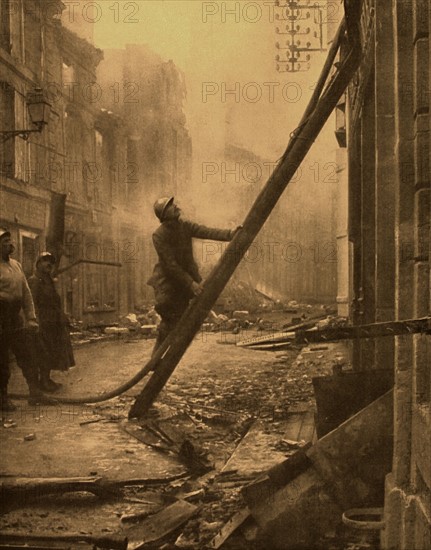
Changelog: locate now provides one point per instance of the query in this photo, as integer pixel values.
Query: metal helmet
(160, 206)
(46, 256)
(4, 232)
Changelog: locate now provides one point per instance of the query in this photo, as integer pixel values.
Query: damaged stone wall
(148, 93)
(389, 230)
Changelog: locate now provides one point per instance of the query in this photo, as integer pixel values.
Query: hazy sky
(220, 46)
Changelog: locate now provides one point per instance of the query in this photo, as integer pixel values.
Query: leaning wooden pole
(178, 341)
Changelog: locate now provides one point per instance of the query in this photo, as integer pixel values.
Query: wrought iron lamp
(39, 110)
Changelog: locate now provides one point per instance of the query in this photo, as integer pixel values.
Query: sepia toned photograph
(215, 287)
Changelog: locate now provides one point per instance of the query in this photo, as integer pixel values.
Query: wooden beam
(374, 330)
(108, 542)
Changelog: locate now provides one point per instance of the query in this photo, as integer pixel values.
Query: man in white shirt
(15, 296)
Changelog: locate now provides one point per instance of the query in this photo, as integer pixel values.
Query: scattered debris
(116, 330)
(148, 316)
(9, 424)
(194, 495)
(125, 518)
(328, 473)
(148, 330)
(231, 526)
(13, 487)
(279, 337)
(130, 321)
(91, 421)
(261, 449)
(108, 542)
(153, 435)
(184, 542)
(212, 413)
(240, 315)
(241, 295)
(164, 522)
(286, 445)
(294, 444)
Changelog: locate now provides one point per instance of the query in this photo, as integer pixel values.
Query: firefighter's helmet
(46, 256)
(4, 232)
(161, 205)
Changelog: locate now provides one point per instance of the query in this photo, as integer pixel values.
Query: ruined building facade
(384, 233)
(148, 93)
(294, 256)
(85, 152)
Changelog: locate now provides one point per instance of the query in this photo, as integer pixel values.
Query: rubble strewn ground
(181, 453)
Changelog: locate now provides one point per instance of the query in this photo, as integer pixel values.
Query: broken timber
(25, 487)
(230, 527)
(322, 103)
(164, 522)
(344, 469)
(280, 337)
(14, 487)
(333, 334)
(108, 542)
(154, 436)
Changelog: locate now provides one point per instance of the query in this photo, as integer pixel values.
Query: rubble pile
(142, 324)
(241, 308)
(240, 295)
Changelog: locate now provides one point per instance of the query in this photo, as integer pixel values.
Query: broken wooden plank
(35, 487)
(108, 542)
(228, 528)
(282, 335)
(257, 452)
(345, 469)
(23, 487)
(165, 522)
(340, 396)
(372, 330)
(33, 546)
(174, 442)
(147, 437)
(276, 477)
(355, 457)
(299, 335)
(308, 428)
(277, 346)
(137, 516)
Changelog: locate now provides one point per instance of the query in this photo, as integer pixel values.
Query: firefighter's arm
(167, 258)
(203, 232)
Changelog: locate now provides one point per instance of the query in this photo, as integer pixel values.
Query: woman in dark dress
(54, 339)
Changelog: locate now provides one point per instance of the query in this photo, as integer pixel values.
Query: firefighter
(176, 277)
(15, 298)
(54, 339)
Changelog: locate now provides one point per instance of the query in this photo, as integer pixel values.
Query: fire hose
(152, 363)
